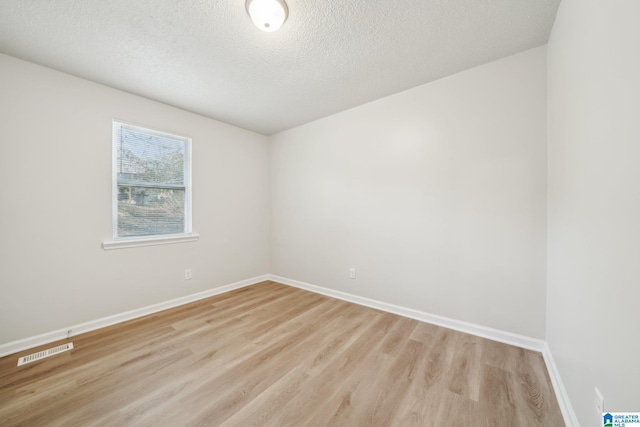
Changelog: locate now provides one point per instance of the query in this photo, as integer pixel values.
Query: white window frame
(158, 239)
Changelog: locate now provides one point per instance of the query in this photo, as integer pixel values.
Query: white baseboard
(35, 341)
(566, 408)
(482, 331)
(458, 325)
(470, 328)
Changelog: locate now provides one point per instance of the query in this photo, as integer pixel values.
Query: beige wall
(55, 165)
(593, 306)
(436, 195)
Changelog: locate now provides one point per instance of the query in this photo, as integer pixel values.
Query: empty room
(319, 213)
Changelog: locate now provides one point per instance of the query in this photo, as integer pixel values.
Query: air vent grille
(44, 353)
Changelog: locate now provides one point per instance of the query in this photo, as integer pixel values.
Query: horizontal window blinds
(152, 177)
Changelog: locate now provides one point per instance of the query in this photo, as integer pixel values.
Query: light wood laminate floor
(273, 355)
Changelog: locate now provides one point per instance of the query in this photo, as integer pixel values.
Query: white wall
(593, 319)
(437, 196)
(55, 205)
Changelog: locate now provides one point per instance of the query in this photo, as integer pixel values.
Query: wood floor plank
(424, 332)
(230, 392)
(465, 373)
(272, 355)
(498, 403)
(261, 409)
(351, 396)
(328, 382)
(391, 396)
(456, 410)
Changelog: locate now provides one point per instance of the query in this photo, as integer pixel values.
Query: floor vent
(45, 353)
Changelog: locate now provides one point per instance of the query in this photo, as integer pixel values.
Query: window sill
(134, 242)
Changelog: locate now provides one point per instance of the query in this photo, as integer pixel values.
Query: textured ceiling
(330, 55)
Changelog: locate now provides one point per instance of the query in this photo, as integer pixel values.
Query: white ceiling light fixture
(268, 15)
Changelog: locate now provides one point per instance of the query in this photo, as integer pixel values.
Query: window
(151, 184)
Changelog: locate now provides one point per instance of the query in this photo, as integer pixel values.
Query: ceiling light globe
(268, 15)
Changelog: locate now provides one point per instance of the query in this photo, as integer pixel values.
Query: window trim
(155, 239)
(161, 239)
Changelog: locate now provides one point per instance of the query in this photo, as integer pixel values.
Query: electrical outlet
(599, 401)
(352, 273)
(187, 274)
(69, 332)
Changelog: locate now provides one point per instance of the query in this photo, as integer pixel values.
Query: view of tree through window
(152, 177)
